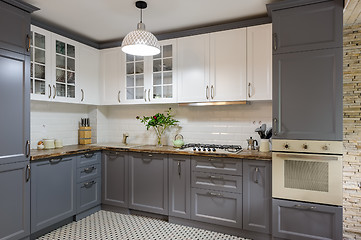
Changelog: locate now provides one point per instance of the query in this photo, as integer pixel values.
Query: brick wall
(352, 132)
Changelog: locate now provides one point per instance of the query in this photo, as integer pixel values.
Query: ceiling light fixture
(140, 42)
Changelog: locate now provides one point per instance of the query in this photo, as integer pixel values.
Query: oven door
(307, 177)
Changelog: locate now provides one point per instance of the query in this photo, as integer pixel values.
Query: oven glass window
(306, 175)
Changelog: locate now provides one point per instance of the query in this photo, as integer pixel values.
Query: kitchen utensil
(268, 133)
(261, 131)
(178, 141)
(252, 144)
(49, 143)
(264, 145)
(58, 143)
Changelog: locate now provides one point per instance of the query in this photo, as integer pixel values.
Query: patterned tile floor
(106, 225)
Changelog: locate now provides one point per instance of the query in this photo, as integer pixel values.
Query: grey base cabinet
(257, 196)
(88, 195)
(53, 191)
(115, 179)
(148, 186)
(179, 186)
(306, 221)
(14, 201)
(222, 208)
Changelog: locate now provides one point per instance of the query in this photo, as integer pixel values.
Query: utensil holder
(85, 135)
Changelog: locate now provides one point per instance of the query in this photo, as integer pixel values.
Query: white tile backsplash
(207, 124)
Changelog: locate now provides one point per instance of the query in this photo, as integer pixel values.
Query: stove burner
(198, 147)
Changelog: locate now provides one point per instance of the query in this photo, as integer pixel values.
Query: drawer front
(217, 207)
(88, 158)
(88, 172)
(88, 194)
(301, 221)
(218, 182)
(217, 165)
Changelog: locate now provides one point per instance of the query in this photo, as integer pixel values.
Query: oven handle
(307, 157)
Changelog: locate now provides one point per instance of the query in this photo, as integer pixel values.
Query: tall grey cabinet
(14, 119)
(307, 70)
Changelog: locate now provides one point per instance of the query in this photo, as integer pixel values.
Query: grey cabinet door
(53, 191)
(88, 159)
(15, 29)
(148, 182)
(310, 27)
(88, 172)
(217, 165)
(179, 186)
(115, 179)
(88, 195)
(257, 199)
(15, 107)
(306, 221)
(222, 208)
(14, 201)
(307, 95)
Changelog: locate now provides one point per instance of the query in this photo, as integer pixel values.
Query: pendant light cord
(141, 15)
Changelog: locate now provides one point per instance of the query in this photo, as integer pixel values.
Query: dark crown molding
(22, 5)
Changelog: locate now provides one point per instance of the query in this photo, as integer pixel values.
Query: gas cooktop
(211, 148)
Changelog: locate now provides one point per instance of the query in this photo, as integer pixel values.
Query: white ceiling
(107, 20)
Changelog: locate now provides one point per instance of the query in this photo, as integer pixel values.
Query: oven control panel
(307, 146)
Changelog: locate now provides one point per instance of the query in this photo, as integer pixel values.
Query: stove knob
(204, 149)
(213, 149)
(199, 149)
(305, 146)
(194, 149)
(208, 149)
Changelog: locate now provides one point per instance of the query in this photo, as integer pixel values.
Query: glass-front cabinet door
(135, 79)
(65, 69)
(40, 86)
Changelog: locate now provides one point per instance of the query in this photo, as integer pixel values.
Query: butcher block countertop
(80, 149)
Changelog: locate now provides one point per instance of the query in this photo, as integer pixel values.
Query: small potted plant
(160, 122)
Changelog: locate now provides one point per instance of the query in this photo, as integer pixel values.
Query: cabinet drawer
(88, 158)
(219, 182)
(88, 172)
(301, 221)
(88, 194)
(217, 207)
(217, 165)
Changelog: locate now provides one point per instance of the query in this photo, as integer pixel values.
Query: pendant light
(140, 42)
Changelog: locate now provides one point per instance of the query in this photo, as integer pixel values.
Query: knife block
(85, 135)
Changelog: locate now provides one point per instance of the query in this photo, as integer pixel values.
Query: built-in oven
(309, 171)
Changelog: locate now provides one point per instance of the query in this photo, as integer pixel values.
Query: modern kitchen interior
(190, 120)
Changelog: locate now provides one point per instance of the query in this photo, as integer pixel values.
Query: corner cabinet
(150, 79)
(257, 196)
(148, 182)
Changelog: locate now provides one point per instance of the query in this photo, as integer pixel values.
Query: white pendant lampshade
(140, 42)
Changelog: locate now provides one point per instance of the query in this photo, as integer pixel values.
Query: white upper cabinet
(259, 62)
(228, 65)
(89, 75)
(40, 69)
(110, 77)
(150, 79)
(193, 68)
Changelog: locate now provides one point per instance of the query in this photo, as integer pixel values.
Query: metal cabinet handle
(88, 155)
(275, 126)
(49, 91)
(55, 160)
(145, 94)
(29, 43)
(179, 168)
(149, 95)
(213, 162)
(119, 96)
(28, 173)
(275, 42)
(215, 178)
(207, 95)
(89, 169)
(212, 91)
(54, 94)
(27, 146)
(255, 175)
(150, 155)
(215, 194)
(88, 184)
(249, 90)
(305, 207)
(82, 95)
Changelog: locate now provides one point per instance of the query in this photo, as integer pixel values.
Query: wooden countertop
(79, 149)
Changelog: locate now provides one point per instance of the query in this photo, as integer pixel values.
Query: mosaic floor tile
(104, 225)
